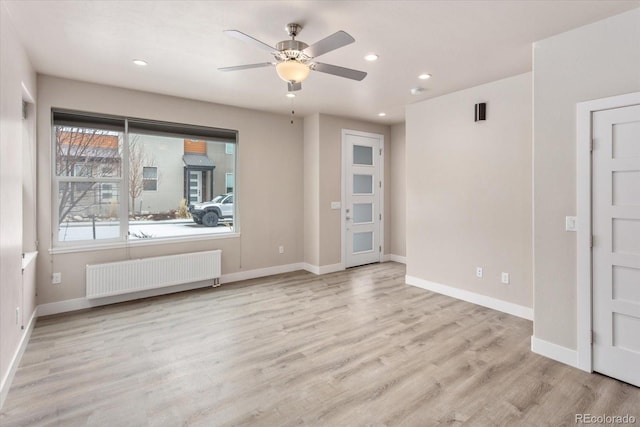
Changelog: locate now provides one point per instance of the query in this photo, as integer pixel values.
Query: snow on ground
(75, 231)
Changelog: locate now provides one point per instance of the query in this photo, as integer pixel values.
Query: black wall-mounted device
(481, 111)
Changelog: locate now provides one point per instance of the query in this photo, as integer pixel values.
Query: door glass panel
(363, 242)
(362, 184)
(362, 213)
(362, 155)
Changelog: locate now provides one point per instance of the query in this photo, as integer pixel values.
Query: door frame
(343, 197)
(584, 116)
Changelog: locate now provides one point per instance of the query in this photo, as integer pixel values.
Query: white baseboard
(323, 269)
(554, 351)
(483, 300)
(315, 269)
(398, 258)
(15, 361)
(261, 272)
(84, 303)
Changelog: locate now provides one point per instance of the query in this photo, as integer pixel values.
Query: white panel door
(616, 243)
(195, 186)
(363, 186)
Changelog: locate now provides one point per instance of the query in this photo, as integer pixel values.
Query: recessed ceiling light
(424, 76)
(371, 57)
(382, 114)
(140, 62)
(291, 95)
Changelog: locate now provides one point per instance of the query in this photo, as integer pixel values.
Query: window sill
(139, 243)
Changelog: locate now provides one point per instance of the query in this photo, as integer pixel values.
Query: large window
(122, 179)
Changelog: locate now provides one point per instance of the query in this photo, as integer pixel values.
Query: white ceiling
(461, 43)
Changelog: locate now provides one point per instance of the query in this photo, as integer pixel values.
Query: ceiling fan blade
(294, 86)
(327, 44)
(339, 71)
(248, 39)
(246, 67)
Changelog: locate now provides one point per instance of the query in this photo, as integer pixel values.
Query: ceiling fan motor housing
(292, 49)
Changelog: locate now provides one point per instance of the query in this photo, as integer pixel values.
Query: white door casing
(362, 155)
(616, 243)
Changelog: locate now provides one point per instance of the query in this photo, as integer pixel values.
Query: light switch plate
(570, 223)
(336, 205)
(505, 278)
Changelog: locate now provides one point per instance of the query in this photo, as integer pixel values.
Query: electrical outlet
(56, 278)
(281, 249)
(505, 278)
(479, 272)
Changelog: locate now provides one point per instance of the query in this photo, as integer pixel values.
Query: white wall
(469, 191)
(17, 81)
(311, 180)
(269, 182)
(595, 61)
(397, 197)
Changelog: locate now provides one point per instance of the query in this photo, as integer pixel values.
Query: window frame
(120, 183)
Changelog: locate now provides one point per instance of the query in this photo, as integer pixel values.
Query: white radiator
(123, 277)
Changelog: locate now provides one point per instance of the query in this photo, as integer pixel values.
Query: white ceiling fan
(294, 60)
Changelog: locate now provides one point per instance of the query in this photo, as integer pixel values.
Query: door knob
(348, 218)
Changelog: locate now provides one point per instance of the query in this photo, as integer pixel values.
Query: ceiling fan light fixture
(292, 71)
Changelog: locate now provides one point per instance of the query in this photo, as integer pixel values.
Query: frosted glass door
(362, 160)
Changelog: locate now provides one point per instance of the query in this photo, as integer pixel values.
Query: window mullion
(124, 198)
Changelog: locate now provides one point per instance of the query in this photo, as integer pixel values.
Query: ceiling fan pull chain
(293, 112)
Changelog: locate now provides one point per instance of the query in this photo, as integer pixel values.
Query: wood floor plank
(351, 348)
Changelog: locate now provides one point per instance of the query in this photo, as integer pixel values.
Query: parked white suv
(209, 213)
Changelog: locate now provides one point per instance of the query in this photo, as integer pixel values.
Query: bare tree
(84, 152)
(94, 154)
(138, 159)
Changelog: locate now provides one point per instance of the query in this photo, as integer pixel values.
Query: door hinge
(591, 143)
(381, 152)
(380, 217)
(380, 184)
(379, 248)
(591, 337)
(591, 241)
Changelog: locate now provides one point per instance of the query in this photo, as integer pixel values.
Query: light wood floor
(346, 349)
